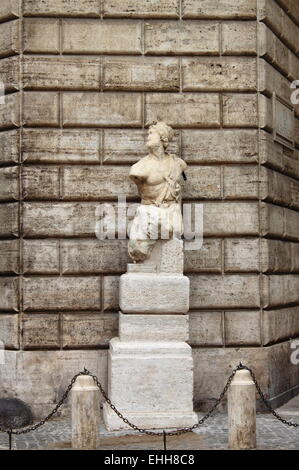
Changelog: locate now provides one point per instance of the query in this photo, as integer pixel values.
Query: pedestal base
(151, 384)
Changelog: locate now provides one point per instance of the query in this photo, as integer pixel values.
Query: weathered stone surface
(9, 147)
(141, 73)
(203, 183)
(293, 66)
(10, 73)
(106, 37)
(266, 114)
(239, 38)
(40, 182)
(272, 49)
(9, 215)
(10, 111)
(188, 37)
(277, 288)
(59, 219)
(65, 146)
(207, 259)
(128, 145)
(9, 183)
(240, 110)
(279, 221)
(88, 330)
(230, 291)
(221, 9)
(40, 331)
(69, 293)
(153, 293)
(41, 35)
(141, 8)
(274, 155)
(279, 188)
(241, 182)
(41, 109)
(241, 255)
(186, 110)
(153, 327)
(9, 256)
(211, 146)
(230, 218)
(61, 8)
(94, 256)
(10, 38)
(226, 73)
(111, 292)
(97, 183)
(242, 328)
(271, 81)
(65, 73)
(102, 109)
(9, 293)
(276, 256)
(9, 327)
(9, 9)
(280, 324)
(41, 256)
(206, 328)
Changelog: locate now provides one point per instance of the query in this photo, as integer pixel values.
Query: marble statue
(158, 177)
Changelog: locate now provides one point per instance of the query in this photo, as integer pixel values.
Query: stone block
(146, 328)
(227, 73)
(86, 8)
(293, 66)
(295, 257)
(40, 182)
(270, 13)
(10, 38)
(276, 256)
(9, 220)
(128, 145)
(241, 255)
(278, 290)
(271, 81)
(230, 218)
(141, 73)
(94, 256)
(41, 35)
(289, 32)
(153, 293)
(167, 256)
(41, 109)
(10, 73)
(241, 182)
(9, 183)
(102, 109)
(9, 147)
(211, 146)
(141, 8)
(64, 73)
(40, 331)
(183, 110)
(222, 9)
(280, 324)
(240, 110)
(9, 327)
(203, 183)
(242, 328)
(291, 224)
(272, 220)
(57, 293)
(229, 291)
(111, 292)
(101, 37)
(9, 257)
(41, 256)
(272, 49)
(265, 113)
(167, 368)
(206, 328)
(9, 294)
(97, 183)
(45, 219)
(180, 38)
(207, 259)
(88, 330)
(239, 38)
(61, 146)
(10, 111)
(9, 9)
(274, 155)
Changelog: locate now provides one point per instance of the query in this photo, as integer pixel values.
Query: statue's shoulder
(140, 165)
(179, 161)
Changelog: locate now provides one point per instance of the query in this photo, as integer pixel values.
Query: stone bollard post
(242, 412)
(85, 413)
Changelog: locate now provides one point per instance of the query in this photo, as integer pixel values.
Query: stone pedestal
(150, 364)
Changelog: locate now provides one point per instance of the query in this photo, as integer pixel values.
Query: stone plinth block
(151, 383)
(154, 293)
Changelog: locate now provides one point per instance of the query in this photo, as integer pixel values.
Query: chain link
(176, 432)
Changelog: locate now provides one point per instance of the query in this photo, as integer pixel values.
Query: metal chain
(176, 432)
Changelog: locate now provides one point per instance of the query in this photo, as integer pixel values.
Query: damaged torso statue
(158, 177)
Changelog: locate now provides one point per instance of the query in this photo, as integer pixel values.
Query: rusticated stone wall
(83, 80)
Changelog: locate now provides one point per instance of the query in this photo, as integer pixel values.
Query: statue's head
(159, 134)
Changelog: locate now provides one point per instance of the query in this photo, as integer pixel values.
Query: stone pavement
(271, 435)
